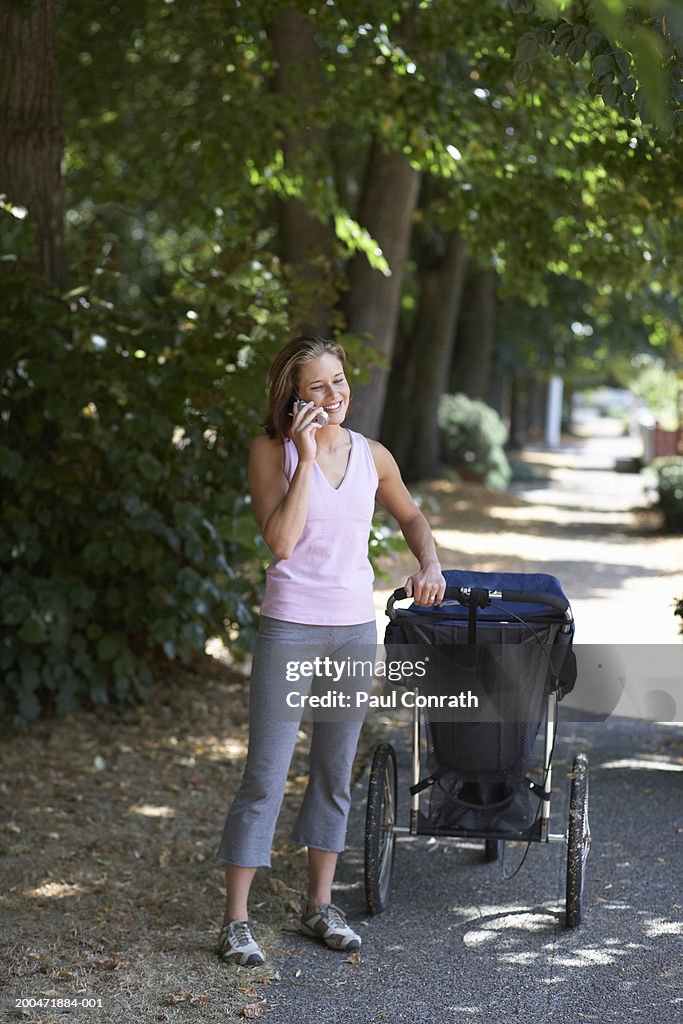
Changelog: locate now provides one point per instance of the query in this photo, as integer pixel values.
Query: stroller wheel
(380, 818)
(492, 849)
(578, 839)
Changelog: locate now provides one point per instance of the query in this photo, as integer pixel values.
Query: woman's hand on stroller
(426, 587)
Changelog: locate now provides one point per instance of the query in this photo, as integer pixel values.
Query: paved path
(622, 581)
(459, 942)
(580, 525)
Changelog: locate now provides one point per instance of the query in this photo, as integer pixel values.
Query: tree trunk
(568, 409)
(418, 379)
(500, 394)
(31, 137)
(538, 405)
(306, 238)
(519, 412)
(387, 206)
(471, 366)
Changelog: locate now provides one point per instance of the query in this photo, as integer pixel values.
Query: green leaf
(124, 552)
(150, 467)
(75, 293)
(603, 65)
(595, 41)
(28, 706)
(522, 73)
(527, 48)
(108, 647)
(626, 107)
(11, 463)
(564, 32)
(358, 239)
(623, 61)
(576, 51)
(611, 94)
(33, 631)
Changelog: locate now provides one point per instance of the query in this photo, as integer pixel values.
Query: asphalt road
(459, 943)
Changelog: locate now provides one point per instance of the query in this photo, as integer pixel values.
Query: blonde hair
(283, 377)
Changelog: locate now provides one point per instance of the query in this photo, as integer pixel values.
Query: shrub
(125, 526)
(669, 484)
(473, 438)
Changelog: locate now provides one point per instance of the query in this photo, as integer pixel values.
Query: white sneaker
(236, 945)
(328, 923)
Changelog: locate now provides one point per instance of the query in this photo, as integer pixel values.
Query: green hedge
(125, 526)
(126, 529)
(472, 440)
(669, 483)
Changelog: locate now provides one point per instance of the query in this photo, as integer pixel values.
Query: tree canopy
(412, 176)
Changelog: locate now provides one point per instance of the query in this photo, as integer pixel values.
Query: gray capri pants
(321, 823)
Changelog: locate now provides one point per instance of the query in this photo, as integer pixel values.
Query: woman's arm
(427, 586)
(280, 507)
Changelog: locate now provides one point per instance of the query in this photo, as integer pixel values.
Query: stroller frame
(381, 827)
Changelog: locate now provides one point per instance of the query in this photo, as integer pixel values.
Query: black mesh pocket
(480, 806)
(511, 672)
(481, 762)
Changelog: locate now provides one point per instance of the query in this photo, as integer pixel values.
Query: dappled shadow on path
(459, 942)
(587, 578)
(601, 549)
(471, 509)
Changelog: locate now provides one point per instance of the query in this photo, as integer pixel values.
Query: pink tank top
(327, 580)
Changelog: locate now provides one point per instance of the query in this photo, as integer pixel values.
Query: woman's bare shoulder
(264, 447)
(384, 460)
(266, 461)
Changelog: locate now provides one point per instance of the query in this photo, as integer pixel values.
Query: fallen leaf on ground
(277, 885)
(194, 999)
(268, 979)
(252, 1010)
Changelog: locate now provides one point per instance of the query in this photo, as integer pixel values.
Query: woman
(313, 484)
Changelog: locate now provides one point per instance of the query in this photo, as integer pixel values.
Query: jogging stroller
(484, 671)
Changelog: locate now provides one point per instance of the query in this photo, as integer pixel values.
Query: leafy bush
(125, 527)
(678, 610)
(669, 477)
(472, 439)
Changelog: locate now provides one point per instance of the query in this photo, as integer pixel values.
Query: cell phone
(320, 417)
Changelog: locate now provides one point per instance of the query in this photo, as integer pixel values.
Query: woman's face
(322, 381)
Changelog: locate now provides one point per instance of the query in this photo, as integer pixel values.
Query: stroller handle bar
(462, 595)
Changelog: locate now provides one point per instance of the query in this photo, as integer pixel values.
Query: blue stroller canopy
(534, 582)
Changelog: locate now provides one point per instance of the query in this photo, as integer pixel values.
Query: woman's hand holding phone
(306, 420)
